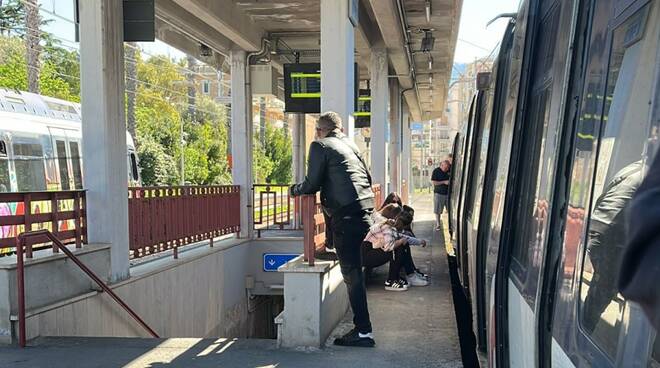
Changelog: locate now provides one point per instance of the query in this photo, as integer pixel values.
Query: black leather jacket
(335, 168)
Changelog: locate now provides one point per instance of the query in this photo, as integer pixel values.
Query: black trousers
(398, 259)
(348, 231)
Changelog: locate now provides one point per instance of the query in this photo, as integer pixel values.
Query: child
(387, 234)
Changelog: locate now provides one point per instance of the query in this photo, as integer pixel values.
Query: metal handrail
(20, 277)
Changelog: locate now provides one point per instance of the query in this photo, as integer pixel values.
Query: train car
(41, 144)
(553, 151)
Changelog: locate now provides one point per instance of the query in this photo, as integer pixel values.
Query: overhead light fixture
(430, 63)
(430, 78)
(428, 41)
(428, 11)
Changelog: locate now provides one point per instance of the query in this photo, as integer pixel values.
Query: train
(41, 150)
(555, 145)
(41, 144)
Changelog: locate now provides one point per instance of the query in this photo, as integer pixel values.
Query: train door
(61, 154)
(535, 173)
(66, 147)
(461, 241)
(472, 207)
(451, 210)
(615, 140)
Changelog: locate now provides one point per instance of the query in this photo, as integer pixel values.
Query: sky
(60, 12)
(474, 39)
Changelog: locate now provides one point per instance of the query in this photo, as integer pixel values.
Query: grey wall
(202, 294)
(49, 278)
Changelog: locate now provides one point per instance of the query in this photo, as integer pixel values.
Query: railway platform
(413, 328)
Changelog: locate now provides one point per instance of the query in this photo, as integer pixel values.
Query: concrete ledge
(47, 255)
(315, 301)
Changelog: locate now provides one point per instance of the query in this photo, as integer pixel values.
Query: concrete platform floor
(416, 328)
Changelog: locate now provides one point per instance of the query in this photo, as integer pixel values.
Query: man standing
(440, 180)
(337, 170)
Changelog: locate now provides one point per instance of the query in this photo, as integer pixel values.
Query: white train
(41, 144)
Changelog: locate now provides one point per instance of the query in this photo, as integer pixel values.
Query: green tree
(278, 149)
(156, 166)
(12, 17)
(13, 72)
(65, 65)
(261, 163)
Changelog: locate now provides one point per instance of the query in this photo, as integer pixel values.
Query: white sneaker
(417, 280)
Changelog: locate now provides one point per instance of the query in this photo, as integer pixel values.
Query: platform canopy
(419, 35)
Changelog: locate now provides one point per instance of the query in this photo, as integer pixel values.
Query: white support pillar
(241, 138)
(104, 129)
(379, 115)
(395, 137)
(297, 121)
(406, 153)
(337, 62)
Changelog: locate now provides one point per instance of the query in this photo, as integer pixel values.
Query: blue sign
(272, 261)
(416, 126)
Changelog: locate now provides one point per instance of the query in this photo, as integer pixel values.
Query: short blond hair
(329, 121)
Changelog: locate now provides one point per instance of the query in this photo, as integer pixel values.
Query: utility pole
(183, 151)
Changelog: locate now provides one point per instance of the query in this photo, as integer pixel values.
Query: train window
(76, 165)
(533, 174)
(134, 167)
(29, 165)
(620, 165)
(64, 167)
(5, 184)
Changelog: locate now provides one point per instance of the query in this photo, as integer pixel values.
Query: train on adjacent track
(41, 144)
(41, 150)
(555, 145)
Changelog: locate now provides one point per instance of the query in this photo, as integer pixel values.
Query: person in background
(336, 169)
(440, 180)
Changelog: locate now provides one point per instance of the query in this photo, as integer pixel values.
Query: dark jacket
(336, 169)
(640, 268)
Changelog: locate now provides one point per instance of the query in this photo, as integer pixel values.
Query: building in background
(461, 91)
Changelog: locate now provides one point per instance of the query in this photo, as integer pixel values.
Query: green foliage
(161, 107)
(13, 72)
(261, 163)
(279, 151)
(157, 167)
(12, 17)
(65, 65)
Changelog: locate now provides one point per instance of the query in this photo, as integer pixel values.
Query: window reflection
(620, 168)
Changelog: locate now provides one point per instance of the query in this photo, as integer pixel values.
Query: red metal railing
(314, 228)
(63, 213)
(162, 218)
(274, 209)
(39, 235)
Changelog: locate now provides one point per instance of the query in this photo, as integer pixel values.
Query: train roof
(34, 104)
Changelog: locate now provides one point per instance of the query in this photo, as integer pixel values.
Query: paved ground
(416, 328)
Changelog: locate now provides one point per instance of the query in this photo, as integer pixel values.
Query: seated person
(385, 243)
(407, 230)
(393, 197)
